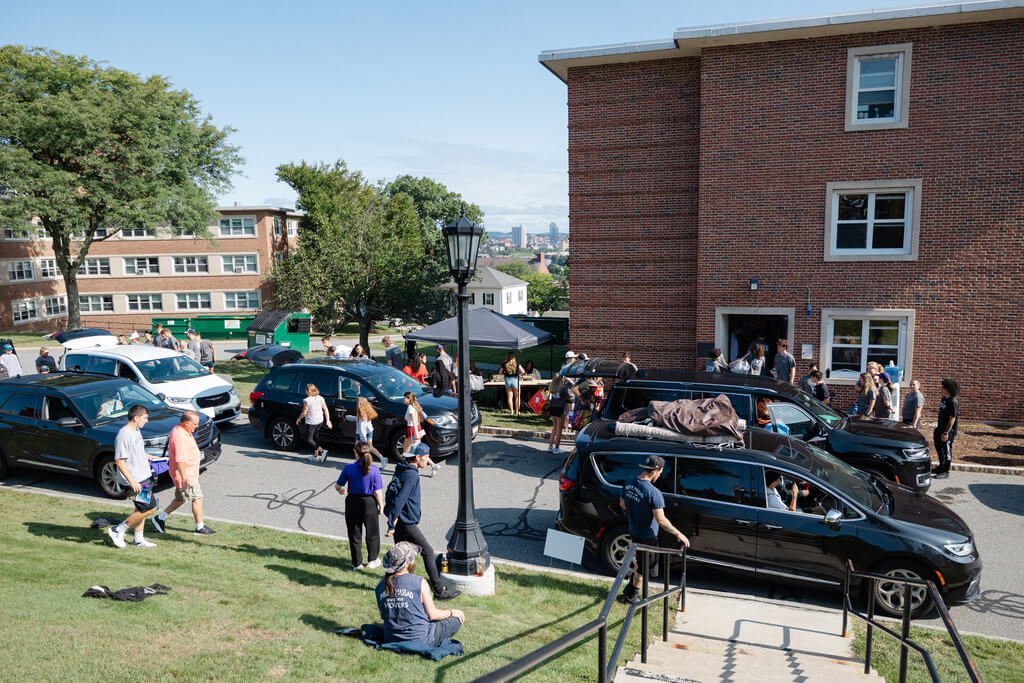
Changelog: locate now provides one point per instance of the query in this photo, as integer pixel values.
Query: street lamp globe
(462, 240)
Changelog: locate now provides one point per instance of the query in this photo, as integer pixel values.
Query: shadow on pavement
(1001, 497)
(999, 602)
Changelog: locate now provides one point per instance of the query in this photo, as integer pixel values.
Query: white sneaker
(557, 451)
(116, 536)
(373, 565)
(144, 543)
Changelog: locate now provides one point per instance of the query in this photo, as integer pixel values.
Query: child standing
(365, 415)
(413, 427)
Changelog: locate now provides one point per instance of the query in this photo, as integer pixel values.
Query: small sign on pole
(562, 546)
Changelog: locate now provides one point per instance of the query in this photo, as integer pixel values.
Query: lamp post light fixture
(467, 548)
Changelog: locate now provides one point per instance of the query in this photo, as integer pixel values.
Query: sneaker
(435, 469)
(323, 455)
(205, 531)
(551, 449)
(116, 536)
(940, 475)
(383, 462)
(557, 451)
(158, 524)
(373, 565)
(357, 567)
(144, 543)
(447, 594)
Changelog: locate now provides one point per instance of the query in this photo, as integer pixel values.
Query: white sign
(563, 546)
(261, 339)
(807, 352)
(232, 324)
(169, 323)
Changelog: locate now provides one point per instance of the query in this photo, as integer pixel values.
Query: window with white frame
(293, 228)
(79, 235)
(25, 310)
(521, 294)
(472, 298)
(16, 233)
(19, 270)
(279, 257)
(138, 232)
(48, 268)
(96, 303)
(193, 301)
(238, 300)
(56, 305)
(488, 298)
(237, 227)
(191, 264)
(277, 226)
(853, 338)
(95, 266)
(142, 265)
(145, 302)
(240, 263)
(878, 86)
(873, 221)
(508, 297)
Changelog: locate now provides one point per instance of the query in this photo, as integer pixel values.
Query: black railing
(605, 664)
(906, 644)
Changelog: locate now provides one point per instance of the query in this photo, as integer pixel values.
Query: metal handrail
(605, 665)
(904, 636)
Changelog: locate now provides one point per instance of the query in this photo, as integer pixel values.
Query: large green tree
(366, 252)
(85, 147)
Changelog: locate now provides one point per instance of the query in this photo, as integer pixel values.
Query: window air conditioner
(239, 269)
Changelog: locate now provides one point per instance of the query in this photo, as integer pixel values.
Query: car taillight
(565, 484)
(255, 396)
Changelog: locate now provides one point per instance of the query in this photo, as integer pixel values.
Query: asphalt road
(516, 489)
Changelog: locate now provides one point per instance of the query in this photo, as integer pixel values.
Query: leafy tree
(85, 146)
(543, 294)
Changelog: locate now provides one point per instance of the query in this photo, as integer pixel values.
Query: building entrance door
(746, 329)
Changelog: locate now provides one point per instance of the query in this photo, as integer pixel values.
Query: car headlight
(234, 392)
(155, 442)
(915, 453)
(960, 549)
(180, 399)
(442, 420)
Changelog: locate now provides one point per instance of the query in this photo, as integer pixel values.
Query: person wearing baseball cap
(645, 512)
(9, 360)
(406, 605)
(45, 362)
(444, 358)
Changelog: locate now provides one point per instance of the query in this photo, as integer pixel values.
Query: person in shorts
(644, 505)
(133, 466)
(183, 460)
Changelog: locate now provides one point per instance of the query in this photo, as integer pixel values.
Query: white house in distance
(493, 289)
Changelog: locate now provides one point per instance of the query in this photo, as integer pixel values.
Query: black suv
(67, 422)
(717, 496)
(884, 447)
(277, 401)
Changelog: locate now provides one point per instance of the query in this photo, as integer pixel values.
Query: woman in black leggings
(364, 502)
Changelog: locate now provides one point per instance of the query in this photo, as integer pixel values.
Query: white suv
(180, 381)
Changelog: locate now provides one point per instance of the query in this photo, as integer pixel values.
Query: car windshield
(854, 484)
(107, 406)
(392, 384)
(818, 408)
(170, 369)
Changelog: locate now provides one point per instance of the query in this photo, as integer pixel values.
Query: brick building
(137, 275)
(865, 168)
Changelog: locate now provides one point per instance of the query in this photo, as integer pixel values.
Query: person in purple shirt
(363, 503)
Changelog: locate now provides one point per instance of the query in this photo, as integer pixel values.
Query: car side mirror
(162, 396)
(833, 518)
(68, 422)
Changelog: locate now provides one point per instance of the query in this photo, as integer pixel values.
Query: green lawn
(494, 417)
(997, 660)
(244, 374)
(246, 604)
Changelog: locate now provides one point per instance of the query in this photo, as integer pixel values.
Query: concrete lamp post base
(471, 585)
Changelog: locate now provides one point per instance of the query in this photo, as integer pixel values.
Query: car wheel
(3, 464)
(614, 548)
(888, 595)
(284, 433)
(106, 477)
(396, 445)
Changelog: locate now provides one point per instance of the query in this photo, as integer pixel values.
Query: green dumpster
(177, 326)
(286, 328)
(222, 326)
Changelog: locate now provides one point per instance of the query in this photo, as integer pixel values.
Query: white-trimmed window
(20, 270)
(16, 233)
(96, 303)
(279, 257)
(878, 86)
(508, 297)
(521, 293)
(142, 265)
(241, 300)
(191, 264)
(873, 221)
(56, 305)
(242, 263)
(472, 298)
(95, 266)
(853, 337)
(293, 228)
(193, 301)
(138, 232)
(237, 227)
(145, 302)
(277, 226)
(48, 268)
(488, 298)
(24, 310)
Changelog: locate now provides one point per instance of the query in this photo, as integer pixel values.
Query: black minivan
(884, 447)
(718, 496)
(277, 401)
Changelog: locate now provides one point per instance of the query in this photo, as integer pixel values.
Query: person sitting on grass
(406, 604)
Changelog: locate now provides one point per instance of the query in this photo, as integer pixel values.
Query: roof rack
(642, 431)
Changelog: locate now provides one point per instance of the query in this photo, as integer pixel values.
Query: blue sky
(449, 90)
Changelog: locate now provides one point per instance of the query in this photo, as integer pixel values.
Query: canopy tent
(486, 329)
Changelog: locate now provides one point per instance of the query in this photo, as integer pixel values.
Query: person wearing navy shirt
(365, 500)
(645, 512)
(945, 431)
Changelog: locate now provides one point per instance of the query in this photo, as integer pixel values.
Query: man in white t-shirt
(133, 465)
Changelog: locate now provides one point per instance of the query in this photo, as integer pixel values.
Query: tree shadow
(292, 555)
(306, 578)
(320, 623)
(1001, 497)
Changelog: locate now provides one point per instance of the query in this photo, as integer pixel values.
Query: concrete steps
(726, 639)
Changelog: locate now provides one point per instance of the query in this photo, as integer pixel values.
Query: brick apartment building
(865, 168)
(139, 274)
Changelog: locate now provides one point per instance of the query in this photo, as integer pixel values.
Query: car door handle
(772, 526)
(293, 403)
(745, 522)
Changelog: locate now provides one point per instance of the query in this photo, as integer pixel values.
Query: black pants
(412, 533)
(313, 435)
(944, 449)
(360, 514)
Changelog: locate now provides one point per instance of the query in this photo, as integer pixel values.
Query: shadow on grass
(334, 561)
(304, 578)
(320, 623)
(86, 534)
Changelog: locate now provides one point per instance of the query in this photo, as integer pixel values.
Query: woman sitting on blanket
(406, 604)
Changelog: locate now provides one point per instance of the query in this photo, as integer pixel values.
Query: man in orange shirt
(183, 461)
